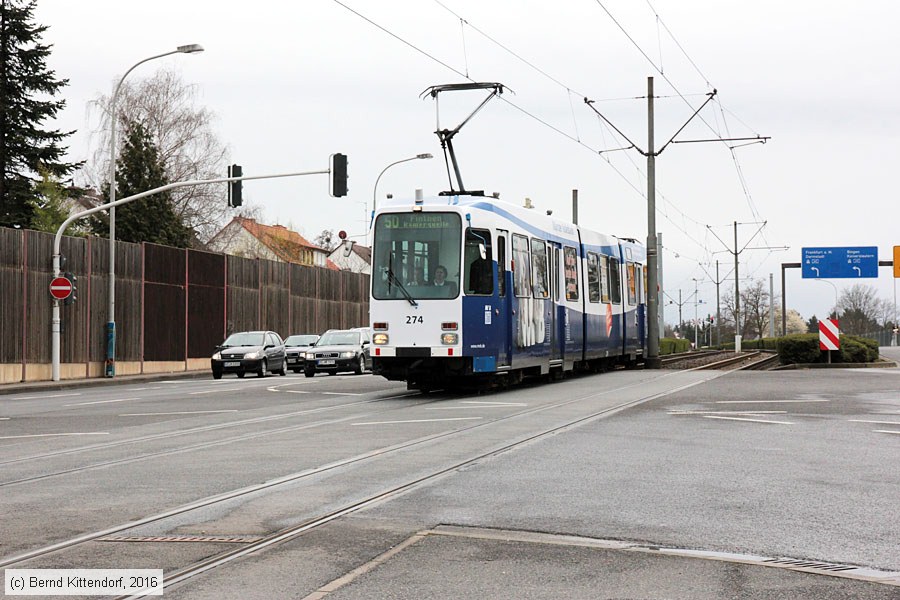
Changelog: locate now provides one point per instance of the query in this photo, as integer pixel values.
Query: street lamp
(835, 295)
(377, 179)
(111, 324)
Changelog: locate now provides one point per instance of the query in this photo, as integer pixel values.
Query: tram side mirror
(481, 251)
(348, 247)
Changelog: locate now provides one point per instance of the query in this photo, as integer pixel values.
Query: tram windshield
(416, 256)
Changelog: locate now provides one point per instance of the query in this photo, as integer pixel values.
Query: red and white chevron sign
(829, 335)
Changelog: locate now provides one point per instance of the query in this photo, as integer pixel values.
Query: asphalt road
(679, 494)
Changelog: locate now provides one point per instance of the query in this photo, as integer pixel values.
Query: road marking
(296, 391)
(768, 401)
(102, 402)
(214, 391)
(35, 435)
(727, 412)
(494, 403)
(185, 412)
(4, 418)
(50, 396)
(340, 394)
(750, 420)
(875, 422)
(419, 421)
(886, 431)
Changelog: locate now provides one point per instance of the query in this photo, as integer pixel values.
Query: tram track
(293, 531)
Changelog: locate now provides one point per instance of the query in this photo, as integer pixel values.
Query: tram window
(604, 279)
(521, 266)
(479, 277)
(615, 285)
(644, 294)
(501, 265)
(631, 279)
(571, 272)
(641, 285)
(554, 274)
(539, 268)
(593, 266)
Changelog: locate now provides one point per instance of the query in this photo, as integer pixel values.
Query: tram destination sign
(851, 262)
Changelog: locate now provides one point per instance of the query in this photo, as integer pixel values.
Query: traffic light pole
(57, 242)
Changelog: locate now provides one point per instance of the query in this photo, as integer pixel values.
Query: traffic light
(338, 175)
(72, 297)
(235, 188)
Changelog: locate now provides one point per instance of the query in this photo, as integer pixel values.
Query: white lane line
(102, 401)
(36, 435)
(886, 431)
(297, 391)
(4, 418)
(419, 421)
(341, 394)
(750, 420)
(768, 401)
(49, 396)
(875, 422)
(185, 412)
(494, 403)
(727, 412)
(214, 391)
(463, 407)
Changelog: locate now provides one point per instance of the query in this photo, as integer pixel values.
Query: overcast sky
(292, 83)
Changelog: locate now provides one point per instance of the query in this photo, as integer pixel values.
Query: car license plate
(292, 359)
(326, 361)
(233, 364)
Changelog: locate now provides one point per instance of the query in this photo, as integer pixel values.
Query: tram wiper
(393, 279)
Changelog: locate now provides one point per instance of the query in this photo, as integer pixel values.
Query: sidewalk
(67, 384)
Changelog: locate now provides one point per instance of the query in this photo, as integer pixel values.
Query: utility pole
(659, 259)
(718, 282)
(771, 305)
(737, 280)
(680, 303)
(652, 360)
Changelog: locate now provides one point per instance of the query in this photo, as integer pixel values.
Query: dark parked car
(296, 347)
(250, 352)
(339, 350)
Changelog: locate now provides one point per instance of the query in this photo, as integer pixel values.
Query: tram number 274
(413, 319)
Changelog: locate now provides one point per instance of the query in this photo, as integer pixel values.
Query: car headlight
(309, 355)
(217, 356)
(252, 355)
(348, 354)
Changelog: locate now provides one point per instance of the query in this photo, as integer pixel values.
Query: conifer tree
(150, 219)
(27, 90)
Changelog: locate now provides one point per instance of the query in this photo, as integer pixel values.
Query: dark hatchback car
(339, 350)
(250, 352)
(296, 347)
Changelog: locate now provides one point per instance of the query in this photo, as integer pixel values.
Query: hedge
(804, 348)
(673, 345)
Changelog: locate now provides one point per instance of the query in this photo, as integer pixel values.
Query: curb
(41, 386)
(883, 364)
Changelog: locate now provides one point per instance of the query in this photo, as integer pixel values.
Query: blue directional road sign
(840, 263)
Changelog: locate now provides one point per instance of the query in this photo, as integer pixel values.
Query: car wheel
(217, 374)
(283, 370)
(261, 372)
(360, 365)
(309, 373)
(240, 374)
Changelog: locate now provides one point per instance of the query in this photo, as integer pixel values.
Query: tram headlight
(449, 339)
(380, 339)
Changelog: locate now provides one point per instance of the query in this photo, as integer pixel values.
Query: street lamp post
(110, 369)
(377, 179)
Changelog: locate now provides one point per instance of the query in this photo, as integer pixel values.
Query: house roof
(283, 242)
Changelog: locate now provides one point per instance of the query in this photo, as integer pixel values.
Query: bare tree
(860, 309)
(755, 303)
(188, 146)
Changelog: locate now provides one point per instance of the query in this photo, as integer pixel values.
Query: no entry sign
(60, 288)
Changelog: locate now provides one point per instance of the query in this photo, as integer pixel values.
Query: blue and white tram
(470, 288)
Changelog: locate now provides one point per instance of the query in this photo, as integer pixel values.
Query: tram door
(504, 297)
(553, 312)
